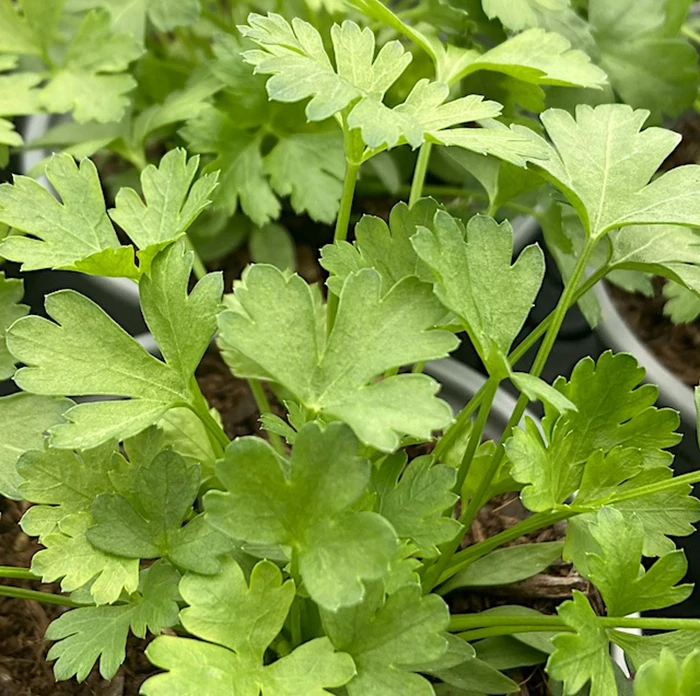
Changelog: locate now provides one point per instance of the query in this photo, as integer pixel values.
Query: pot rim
(616, 332)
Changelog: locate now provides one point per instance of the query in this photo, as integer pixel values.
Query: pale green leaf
(274, 245)
(172, 201)
(615, 567)
(11, 309)
(666, 677)
(72, 559)
(602, 162)
(537, 389)
(476, 279)
(91, 81)
(583, 656)
(372, 334)
(306, 505)
(389, 638)
(87, 634)
(18, 94)
(517, 15)
(16, 34)
(232, 660)
(682, 305)
(641, 649)
(25, 419)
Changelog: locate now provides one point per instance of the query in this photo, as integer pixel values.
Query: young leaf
(273, 333)
(87, 634)
(615, 567)
(682, 305)
(390, 638)
(86, 353)
(25, 419)
(583, 656)
(306, 505)
(414, 499)
(475, 279)
(665, 677)
(173, 202)
(232, 658)
(602, 162)
(92, 82)
(11, 292)
(517, 15)
(148, 523)
(386, 248)
(70, 557)
(507, 565)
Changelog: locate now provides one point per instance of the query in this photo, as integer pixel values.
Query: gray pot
(616, 333)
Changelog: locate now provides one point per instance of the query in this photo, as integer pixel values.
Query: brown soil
(677, 346)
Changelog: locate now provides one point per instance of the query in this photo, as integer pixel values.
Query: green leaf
(537, 389)
(682, 305)
(86, 353)
(386, 248)
(602, 162)
(91, 81)
(535, 56)
(165, 15)
(300, 67)
(307, 165)
(274, 245)
(507, 565)
(517, 15)
(16, 34)
(476, 676)
(185, 434)
(232, 659)
(11, 293)
(648, 66)
(172, 204)
(332, 377)
(389, 638)
(70, 557)
(665, 677)
(62, 234)
(18, 94)
(506, 652)
(641, 649)
(615, 567)
(61, 483)
(583, 656)
(306, 505)
(147, 522)
(475, 279)
(87, 634)
(25, 419)
(414, 499)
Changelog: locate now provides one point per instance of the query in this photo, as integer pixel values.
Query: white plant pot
(617, 334)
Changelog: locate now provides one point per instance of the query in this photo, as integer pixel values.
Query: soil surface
(677, 346)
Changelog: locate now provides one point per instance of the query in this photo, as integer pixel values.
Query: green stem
(420, 173)
(466, 622)
(565, 302)
(690, 33)
(200, 407)
(341, 226)
(479, 633)
(295, 613)
(45, 597)
(263, 405)
(447, 552)
(448, 439)
(16, 572)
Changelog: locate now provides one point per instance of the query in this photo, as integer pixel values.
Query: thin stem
(16, 572)
(650, 624)
(263, 405)
(420, 173)
(219, 439)
(465, 622)
(46, 597)
(433, 574)
(198, 267)
(479, 633)
(295, 613)
(341, 226)
(690, 33)
(459, 424)
(565, 302)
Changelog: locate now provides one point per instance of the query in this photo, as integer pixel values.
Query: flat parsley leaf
(306, 505)
(25, 419)
(231, 659)
(147, 522)
(11, 292)
(273, 332)
(86, 353)
(87, 634)
(390, 638)
(602, 162)
(476, 279)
